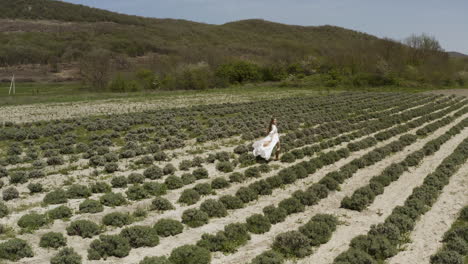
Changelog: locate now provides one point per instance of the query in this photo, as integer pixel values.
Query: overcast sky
(397, 19)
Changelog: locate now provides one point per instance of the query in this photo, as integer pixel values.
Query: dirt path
(331, 204)
(430, 229)
(394, 195)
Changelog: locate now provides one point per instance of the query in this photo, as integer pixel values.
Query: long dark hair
(271, 125)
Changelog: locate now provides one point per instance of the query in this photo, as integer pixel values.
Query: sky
(446, 20)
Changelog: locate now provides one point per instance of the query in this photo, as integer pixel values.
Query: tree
(95, 68)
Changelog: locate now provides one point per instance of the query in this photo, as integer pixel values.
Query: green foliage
(189, 254)
(447, 257)
(15, 249)
(155, 188)
(10, 193)
(53, 240)
(58, 196)
(100, 187)
(155, 260)
(116, 219)
(119, 182)
(173, 182)
(112, 199)
(140, 236)
(292, 244)
(153, 173)
(224, 166)
(194, 217)
(161, 204)
(4, 211)
(109, 246)
(83, 228)
(136, 192)
(268, 257)
(258, 224)
(238, 72)
(91, 206)
(35, 187)
(189, 197)
(354, 256)
(275, 214)
(168, 227)
(66, 256)
(231, 202)
(77, 191)
(291, 205)
(32, 221)
(61, 212)
(213, 208)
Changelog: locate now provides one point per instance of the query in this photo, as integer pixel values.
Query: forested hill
(52, 32)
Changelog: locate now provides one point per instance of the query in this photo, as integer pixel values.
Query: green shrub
(189, 254)
(258, 224)
(330, 183)
(457, 244)
(58, 196)
(319, 189)
(288, 157)
(224, 166)
(100, 187)
(189, 197)
(292, 244)
(352, 256)
(155, 260)
(246, 194)
(161, 204)
(153, 173)
(155, 188)
(213, 208)
(112, 199)
(185, 165)
(317, 232)
(91, 206)
(268, 257)
(291, 205)
(32, 221)
(4, 211)
(77, 191)
(83, 228)
(15, 249)
(140, 236)
(66, 256)
(61, 212)
(307, 198)
(109, 246)
(119, 182)
(169, 169)
(231, 202)
(188, 178)
(236, 235)
(18, 177)
(219, 183)
(252, 172)
(173, 182)
(194, 217)
(287, 175)
(390, 231)
(111, 167)
(203, 188)
(53, 240)
(35, 187)
(275, 214)
(402, 222)
(261, 187)
(236, 177)
(200, 173)
(136, 178)
(168, 227)
(246, 159)
(446, 257)
(464, 214)
(136, 192)
(116, 219)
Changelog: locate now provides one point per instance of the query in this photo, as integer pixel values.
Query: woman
(264, 147)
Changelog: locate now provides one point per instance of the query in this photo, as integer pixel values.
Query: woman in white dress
(264, 147)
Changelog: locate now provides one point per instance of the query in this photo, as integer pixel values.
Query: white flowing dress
(264, 147)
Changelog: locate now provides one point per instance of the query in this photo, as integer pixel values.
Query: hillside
(46, 40)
